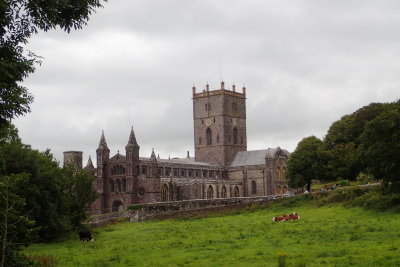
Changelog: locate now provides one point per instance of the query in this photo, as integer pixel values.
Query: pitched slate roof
(118, 157)
(256, 157)
(189, 161)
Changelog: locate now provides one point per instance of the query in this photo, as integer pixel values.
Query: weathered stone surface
(123, 180)
(175, 209)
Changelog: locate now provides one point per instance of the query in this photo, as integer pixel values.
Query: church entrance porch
(117, 206)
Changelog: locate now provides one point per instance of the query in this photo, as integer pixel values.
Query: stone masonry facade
(222, 166)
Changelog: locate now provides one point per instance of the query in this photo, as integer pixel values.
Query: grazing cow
(285, 217)
(278, 219)
(294, 216)
(85, 236)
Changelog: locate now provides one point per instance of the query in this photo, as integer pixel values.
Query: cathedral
(221, 168)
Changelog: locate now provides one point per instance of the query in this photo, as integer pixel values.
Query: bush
(334, 197)
(136, 207)
(363, 178)
(378, 201)
(343, 182)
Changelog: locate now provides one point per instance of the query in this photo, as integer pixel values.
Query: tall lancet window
(235, 136)
(209, 136)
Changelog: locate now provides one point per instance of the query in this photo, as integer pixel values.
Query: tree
(81, 193)
(19, 19)
(339, 132)
(55, 198)
(341, 143)
(44, 190)
(342, 162)
(380, 147)
(305, 163)
(16, 229)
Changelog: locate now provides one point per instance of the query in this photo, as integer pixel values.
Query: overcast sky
(304, 63)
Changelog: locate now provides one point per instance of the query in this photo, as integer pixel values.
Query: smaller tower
(103, 153)
(73, 158)
(132, 148)
(153, 166)
(132, 155)
(89, 166)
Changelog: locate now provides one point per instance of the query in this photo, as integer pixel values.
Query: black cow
(85, 236)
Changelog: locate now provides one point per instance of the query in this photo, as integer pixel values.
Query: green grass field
(325, 236)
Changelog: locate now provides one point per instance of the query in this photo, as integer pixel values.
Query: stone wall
(175, 209)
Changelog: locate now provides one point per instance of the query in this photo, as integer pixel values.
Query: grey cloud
(305, 64)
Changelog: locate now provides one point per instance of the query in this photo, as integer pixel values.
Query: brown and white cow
(285, 217)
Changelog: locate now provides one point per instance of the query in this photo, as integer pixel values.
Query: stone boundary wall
(173, 209)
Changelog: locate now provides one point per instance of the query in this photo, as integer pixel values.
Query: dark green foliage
(16, 229)
(14, 68)
(305, 163)
(380, 148)
(365, 142)
(57, 199)
(51, 194)
(349, 128)
(341, 162)
(339, 132)
(379, 202)
(43, 192)
(375, 198)
(343, 140)
(80, 193)
(19, 19)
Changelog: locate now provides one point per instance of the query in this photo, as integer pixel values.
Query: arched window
(284, 189)
(200, 141)
(235, 136)
(209, 136)
(164, 193)
(278, 174)
(236, 192)
(124, 185)
(118, 184)
(278, 190)
(118, 169)
(210, 192)
(217, 138)
(223, 192)
(112, 187)
(253, 187)
(283, 173)
(195, 192)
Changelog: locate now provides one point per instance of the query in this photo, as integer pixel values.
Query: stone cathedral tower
(219, 124)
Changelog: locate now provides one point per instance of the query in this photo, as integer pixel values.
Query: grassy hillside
(325, 236)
